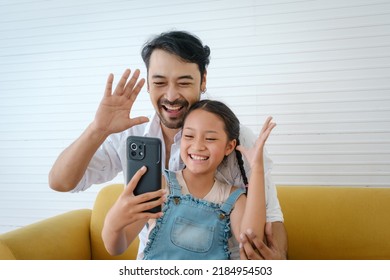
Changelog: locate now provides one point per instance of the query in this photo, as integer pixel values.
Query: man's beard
(172, 123)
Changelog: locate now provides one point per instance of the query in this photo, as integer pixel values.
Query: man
(176, 65)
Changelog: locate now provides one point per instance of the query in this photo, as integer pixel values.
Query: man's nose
(172, 93)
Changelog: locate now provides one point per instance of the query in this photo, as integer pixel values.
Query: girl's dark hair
(182, 44)
(232, 125)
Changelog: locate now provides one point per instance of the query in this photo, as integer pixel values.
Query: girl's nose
(198, 144)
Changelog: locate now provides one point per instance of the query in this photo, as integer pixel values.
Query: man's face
(174, 85)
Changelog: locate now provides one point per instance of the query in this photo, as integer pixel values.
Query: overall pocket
(191, 235)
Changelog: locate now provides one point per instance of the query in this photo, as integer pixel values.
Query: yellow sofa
(321, 222)
(74, 235)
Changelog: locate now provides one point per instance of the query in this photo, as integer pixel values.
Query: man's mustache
(180, 103)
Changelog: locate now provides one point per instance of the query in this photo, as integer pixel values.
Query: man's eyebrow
(186, 77)
(157, 76)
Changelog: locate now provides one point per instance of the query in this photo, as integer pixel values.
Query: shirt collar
(153, 129)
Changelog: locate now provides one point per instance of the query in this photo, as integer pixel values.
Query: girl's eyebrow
(207, 131)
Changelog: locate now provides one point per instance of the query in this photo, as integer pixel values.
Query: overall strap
(173, 184)
(228, 205)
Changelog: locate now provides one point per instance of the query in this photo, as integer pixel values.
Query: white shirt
(110, 159)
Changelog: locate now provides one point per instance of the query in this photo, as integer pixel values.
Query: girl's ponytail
(241, 165)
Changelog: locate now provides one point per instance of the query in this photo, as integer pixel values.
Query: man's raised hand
(113, 114)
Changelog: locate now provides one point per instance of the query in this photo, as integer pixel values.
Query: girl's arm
(126, 218)
(250, 213)
(254, 217)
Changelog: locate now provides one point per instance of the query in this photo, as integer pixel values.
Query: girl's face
(204, 142)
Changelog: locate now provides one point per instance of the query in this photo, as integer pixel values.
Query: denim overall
(191, 228)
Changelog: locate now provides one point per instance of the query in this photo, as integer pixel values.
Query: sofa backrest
(322, 222)
(336, 222)
(104, 201)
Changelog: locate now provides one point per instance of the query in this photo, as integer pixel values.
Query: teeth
(172, 108)
(195, 157)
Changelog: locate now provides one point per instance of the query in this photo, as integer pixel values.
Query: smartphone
(145, 151)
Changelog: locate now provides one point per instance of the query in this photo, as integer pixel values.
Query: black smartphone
(145, 151)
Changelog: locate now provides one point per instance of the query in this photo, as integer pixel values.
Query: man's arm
(72, 163)
(113, 115)
(280, 234)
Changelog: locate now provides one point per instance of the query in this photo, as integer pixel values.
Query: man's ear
(203, 85)
(231, 145)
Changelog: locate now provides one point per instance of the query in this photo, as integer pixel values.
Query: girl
(200, 213)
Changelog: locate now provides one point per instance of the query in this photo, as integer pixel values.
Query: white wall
(321, 68)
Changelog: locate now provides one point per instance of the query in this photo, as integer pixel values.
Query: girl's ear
(231, 145)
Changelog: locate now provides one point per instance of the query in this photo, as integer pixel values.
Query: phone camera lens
(133, 146)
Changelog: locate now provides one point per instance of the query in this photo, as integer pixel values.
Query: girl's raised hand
(255, 154)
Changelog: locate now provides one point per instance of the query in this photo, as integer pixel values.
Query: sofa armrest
(5, 252)
(62, 237)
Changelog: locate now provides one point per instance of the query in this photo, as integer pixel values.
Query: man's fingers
(243, 255)
(129, 87)
(263, 250)
(136, 90)
(108, 90)
(268, 234)
(258, 244)
(250, 251)
(119, 90)
(138, 120)
(243, 240)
